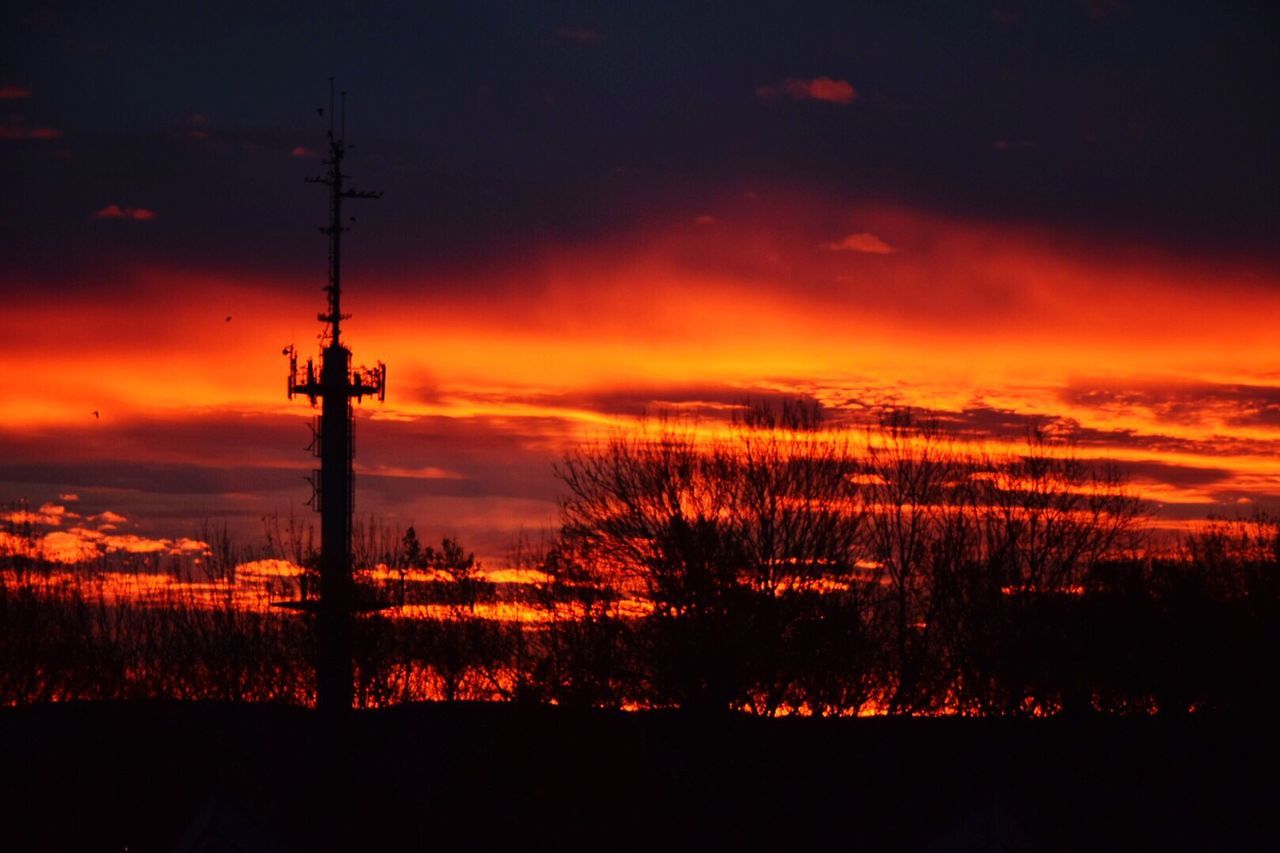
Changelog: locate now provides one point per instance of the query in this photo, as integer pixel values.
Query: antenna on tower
(331, 108)
(336, 384)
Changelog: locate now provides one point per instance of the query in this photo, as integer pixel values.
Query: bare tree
(724, 532)
(915, 492)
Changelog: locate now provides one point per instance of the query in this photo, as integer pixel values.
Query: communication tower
(335, 385)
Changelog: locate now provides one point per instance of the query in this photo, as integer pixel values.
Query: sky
(999, 214)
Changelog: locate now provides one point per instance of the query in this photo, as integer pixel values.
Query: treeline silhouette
(774, 565)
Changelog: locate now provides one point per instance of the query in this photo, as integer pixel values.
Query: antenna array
(334, 385)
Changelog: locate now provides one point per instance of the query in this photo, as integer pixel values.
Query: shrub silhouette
(776, 564)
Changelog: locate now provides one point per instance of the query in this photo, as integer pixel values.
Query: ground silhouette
(155, 775)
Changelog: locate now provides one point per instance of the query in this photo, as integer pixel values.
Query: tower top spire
(334, 179)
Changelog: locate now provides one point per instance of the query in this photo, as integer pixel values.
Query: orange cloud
(48, 515)
(748, 300)
(1163, 362)
(863, 241)
(815, 89)
(47, 539)
(115, 211)
(14, 93)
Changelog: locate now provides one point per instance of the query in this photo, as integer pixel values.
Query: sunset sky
(997, 213)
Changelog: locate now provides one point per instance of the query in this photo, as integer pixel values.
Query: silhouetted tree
(587, 658)
(915, 492)
(410, 555)
(1019, 538)
(725, 536)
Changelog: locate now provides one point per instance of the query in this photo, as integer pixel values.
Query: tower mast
(334, 484)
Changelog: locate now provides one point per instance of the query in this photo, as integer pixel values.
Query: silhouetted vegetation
(774, 565)
(790, 569)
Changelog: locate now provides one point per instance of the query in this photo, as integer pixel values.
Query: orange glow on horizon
(958, 316)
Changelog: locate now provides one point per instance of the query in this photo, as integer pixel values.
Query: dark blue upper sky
(496, 125)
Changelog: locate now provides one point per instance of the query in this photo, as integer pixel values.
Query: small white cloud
(186, 545)
(864, 242)
(108, 517)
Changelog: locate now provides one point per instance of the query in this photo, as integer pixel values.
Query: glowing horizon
(986, 327)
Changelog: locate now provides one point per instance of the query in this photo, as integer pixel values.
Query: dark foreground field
(166, 776)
